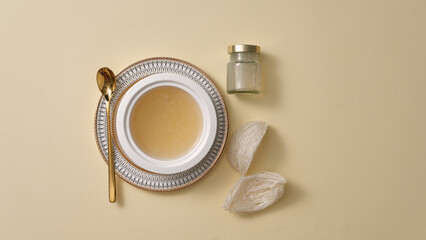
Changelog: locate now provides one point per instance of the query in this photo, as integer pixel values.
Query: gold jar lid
(243, 48)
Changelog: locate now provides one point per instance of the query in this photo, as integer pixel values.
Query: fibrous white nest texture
(244, 143)
(256, 192)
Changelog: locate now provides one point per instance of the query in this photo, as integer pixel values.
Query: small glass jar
(244, 70)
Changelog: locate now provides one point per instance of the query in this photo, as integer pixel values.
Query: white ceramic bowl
(124, 138)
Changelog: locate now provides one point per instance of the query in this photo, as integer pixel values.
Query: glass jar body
(244, 73)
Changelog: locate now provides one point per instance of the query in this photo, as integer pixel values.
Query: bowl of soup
(164, 123)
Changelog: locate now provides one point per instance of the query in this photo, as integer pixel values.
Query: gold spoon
(106, 83)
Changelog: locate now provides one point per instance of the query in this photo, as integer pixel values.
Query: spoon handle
(111, 170)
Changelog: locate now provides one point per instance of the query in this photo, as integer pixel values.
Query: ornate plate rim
(220, 151)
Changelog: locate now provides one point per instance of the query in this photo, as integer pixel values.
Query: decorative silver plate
(140, 177)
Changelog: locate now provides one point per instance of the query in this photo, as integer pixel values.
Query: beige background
(344, 95)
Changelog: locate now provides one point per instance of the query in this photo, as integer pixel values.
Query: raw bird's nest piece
(243, 146)
(253, 193)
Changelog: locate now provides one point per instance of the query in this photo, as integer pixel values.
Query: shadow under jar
(244, 69)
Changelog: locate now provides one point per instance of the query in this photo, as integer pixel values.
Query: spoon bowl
(106, 82)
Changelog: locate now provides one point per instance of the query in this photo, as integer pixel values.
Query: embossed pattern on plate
(137, 176)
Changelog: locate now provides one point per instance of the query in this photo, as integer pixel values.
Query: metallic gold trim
(238, 48)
